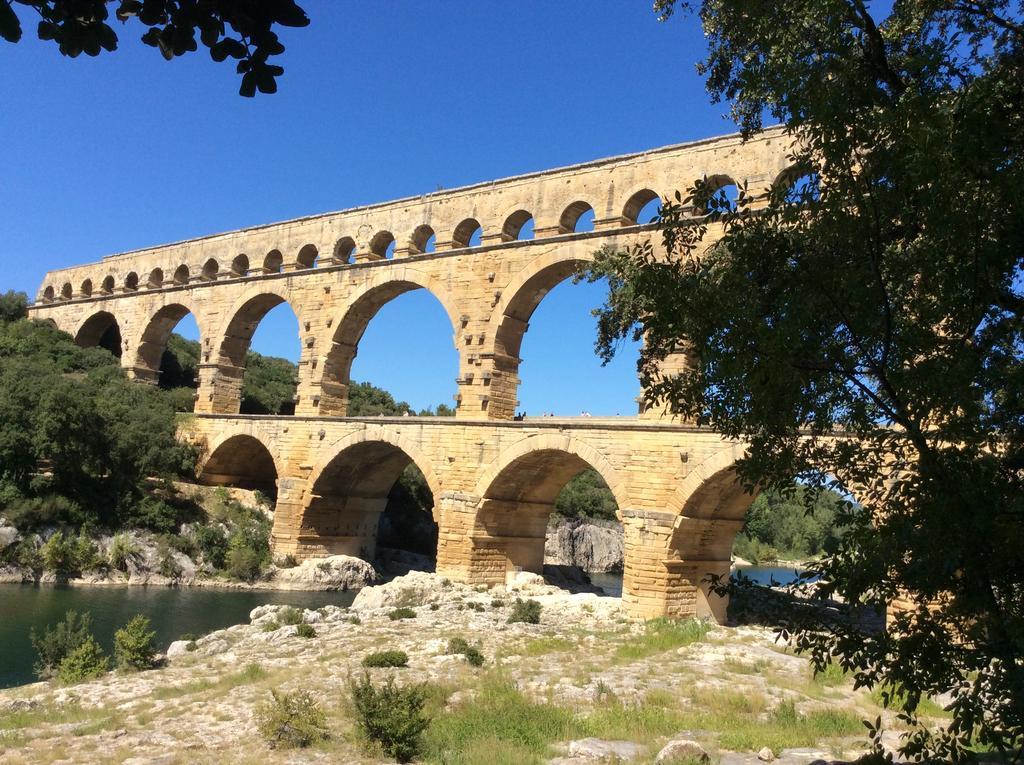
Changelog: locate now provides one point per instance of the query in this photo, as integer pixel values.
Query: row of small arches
(641, 208)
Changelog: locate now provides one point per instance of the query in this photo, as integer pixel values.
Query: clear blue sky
(378, 101)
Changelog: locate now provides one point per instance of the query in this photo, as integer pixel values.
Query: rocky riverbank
(584, 685)
(591, 546)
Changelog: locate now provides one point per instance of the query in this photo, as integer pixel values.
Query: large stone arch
(240, 459)
(517, 496)
(224, 374)
(155, 335)
(330, 395)
(348, 490)
(510, 318)
(709, 506)
(100, 329)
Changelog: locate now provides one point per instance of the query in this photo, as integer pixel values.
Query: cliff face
(594, 546)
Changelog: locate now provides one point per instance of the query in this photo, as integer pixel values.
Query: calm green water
(172, 611)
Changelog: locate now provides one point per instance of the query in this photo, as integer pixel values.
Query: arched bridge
(494, 479)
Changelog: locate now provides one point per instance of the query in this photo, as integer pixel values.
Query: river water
(175, 611)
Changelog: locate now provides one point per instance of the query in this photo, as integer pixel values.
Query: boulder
(178, 649)
(8, 535)
(599, 750)
(336, 572)
(681, 750)
(766, 754)
(414, 589)
(595, 546)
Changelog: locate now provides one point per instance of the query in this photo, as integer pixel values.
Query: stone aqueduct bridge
(494, 479)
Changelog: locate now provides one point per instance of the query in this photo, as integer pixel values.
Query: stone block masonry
(493, 478)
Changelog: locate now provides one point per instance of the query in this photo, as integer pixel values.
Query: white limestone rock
(336, 572)
(597, 749)
(681, 750)
(178, 648)
(416, 588)
(595, 546)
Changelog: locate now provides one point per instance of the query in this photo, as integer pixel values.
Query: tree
(240, 30)
(79, 442)
(861, 328)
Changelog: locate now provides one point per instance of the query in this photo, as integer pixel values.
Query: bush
(386, 659)
(56, 642)
(459, 645)
(85, 662)
(123, 550)
(402, 613)
(135, 644)
(271, 626)
(291, 720)
(390, 716)
(67, 555)
(27, 553)
(527, 611)
(289, 615)
(213, 544)
(242, 561)
(305, 631)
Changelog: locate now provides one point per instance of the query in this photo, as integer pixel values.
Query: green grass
(831, 676)
(49, 714)
(250, 674)
(898, 701)
(739, 667)
(500, 725)
(545, 645)
(662, 635)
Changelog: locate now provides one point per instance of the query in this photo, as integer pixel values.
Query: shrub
(168, 566)
(459, 645)
(66, 555)
(497, 603)
(289, 615)
(27, 554)
(288, 561)
(386, 659)
(291, 720)
(58, 641)
(391, 716)
(213, 544)
(527, 611)
(134, 644)
(85, 662)
(305, 631)
(402, 613)
(271, 626)
(354, 619)
(243, 562)
(123, 550)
